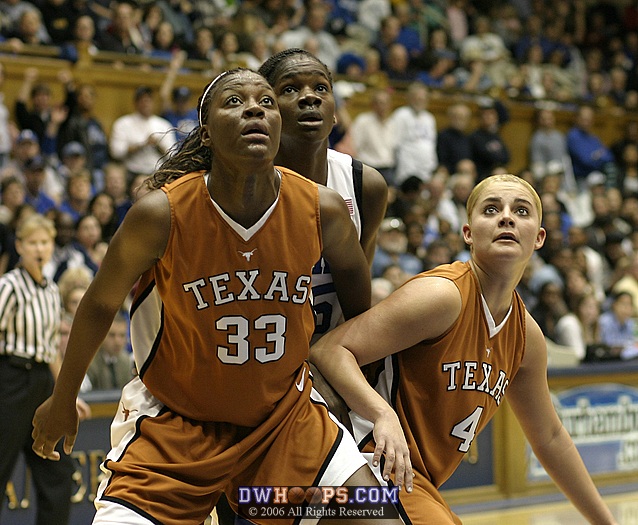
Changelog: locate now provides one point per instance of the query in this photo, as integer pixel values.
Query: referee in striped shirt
(30, 313)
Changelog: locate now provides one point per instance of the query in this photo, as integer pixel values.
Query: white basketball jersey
(325, 303)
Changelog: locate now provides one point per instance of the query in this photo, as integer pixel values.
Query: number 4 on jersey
(466, 430)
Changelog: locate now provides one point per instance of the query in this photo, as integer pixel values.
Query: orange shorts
(424, 504)
(172, 470)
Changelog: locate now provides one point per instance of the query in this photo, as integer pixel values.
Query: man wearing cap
(73, 159)
(26, 148)
(140, 139)
(392, 245)
(34, 175)
(180, 112)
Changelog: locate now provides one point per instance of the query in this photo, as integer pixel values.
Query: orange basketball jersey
(446, 390)
(221, 324)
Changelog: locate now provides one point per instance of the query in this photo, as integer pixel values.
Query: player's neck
(311, 161)
(496, 288)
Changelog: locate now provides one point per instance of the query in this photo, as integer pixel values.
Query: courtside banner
(602, 419)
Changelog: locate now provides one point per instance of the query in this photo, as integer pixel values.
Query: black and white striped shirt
(29, 317)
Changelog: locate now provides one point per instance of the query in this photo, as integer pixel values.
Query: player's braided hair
(191, 155)
(270, 68)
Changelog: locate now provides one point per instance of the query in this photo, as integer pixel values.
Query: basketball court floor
(623, 505)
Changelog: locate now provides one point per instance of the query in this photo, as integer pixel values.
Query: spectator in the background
(12, 196)
(59, 17)
(618, 93)
(72, 284)
(30, 29)
(6, 124)
(587, 151)
(488, 147)
(203, 45)
(150, 19)
(594, 263)
(328, 50)
(78, 194)
(438, 70)
(116, 185)
(73, 160)
(141, 138)
(532, 35)
(617, 326)
(628, 283)
(83, 126)
(488, 48)
(398, 67)
(415, 233)
(389, 31)
(395, 274)
(460, 185)
(438, 252)
(34, 175)
(88, 239)
(112, 367)
(411, 29)
(551, 307)
(102, 206)
(628, 169)
(416, 136)
(66, 255)
(11, 11)
(629, 136)
(27, 147)
(121, 35)
(163, 43)
(177, 12)
(373, 135)
(176, 100)
(392, 246)
(453, 142)
(81, 41)
(578, 328)
(548, 144)
(33, 104)
(381, 288)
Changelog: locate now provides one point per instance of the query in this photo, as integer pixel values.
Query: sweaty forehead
(242, 79)
(299, 65)
(503, 189)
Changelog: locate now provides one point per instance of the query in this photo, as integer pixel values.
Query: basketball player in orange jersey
(303, 86)
(221, 321)
(456, 340)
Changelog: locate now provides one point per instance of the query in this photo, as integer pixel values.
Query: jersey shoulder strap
(357, 179)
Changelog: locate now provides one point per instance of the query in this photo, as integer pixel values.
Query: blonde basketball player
(456, 341)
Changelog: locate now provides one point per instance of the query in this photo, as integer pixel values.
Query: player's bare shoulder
(429, 297)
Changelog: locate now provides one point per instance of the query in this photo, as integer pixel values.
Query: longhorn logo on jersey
(247, 255)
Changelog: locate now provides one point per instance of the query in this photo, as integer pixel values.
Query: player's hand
(50, 425)
(390, 440)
